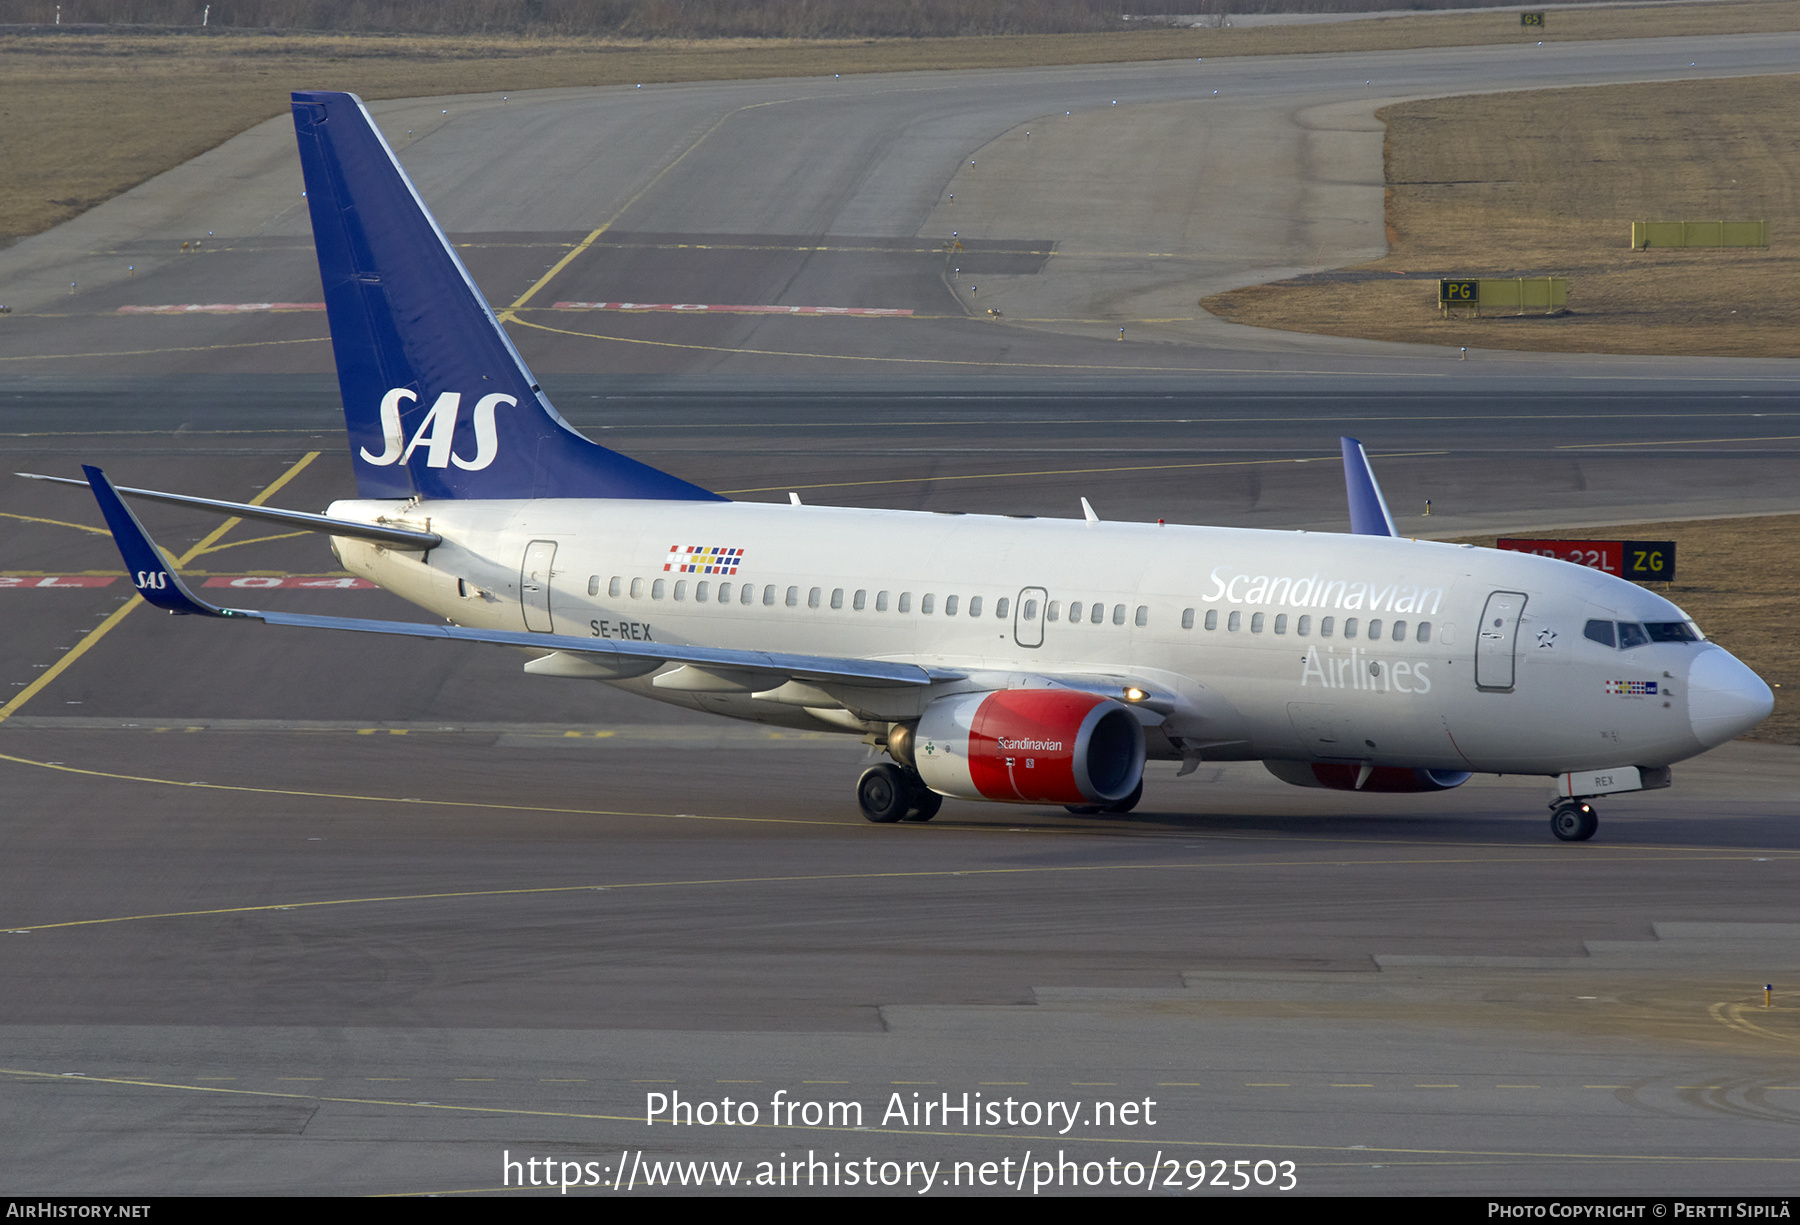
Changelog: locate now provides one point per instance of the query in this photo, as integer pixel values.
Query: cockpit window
(1632, 634)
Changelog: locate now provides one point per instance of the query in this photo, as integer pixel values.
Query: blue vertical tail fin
(438, 402)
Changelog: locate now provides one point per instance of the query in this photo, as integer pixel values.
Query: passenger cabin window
(637, 588)
(1399, 631)
(681, 589)
(859, 601)
(906, 601)
(1029, 610)
(593, 584)
(927, 602)
(702, 589)
(1281, 623)
(1234, 622)
(1118, 614)
(1212, 618)
(612, 588)
(881, 598)
(1349, 627)
(769, 595)
(1000, 607)
(1053, 610)
(1187, 618)
(812, 598)
(793, 597)
(1424, 632)
(1074, 612)
(1303, 626)
(974, 606)
(1375, 629)
(1325, 624)
(1143, 616)
(837, 597)
(1256, 623)
(659, 589)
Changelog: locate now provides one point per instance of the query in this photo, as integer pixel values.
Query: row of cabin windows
(1303, 626)
(706, 591)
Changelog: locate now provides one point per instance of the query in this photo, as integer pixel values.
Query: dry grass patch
(87, 114)
(1739, 579)
(1547, 184)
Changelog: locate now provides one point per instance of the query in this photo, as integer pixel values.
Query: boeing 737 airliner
(1021, 660)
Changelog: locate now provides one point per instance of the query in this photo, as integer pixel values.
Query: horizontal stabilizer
(404, 536)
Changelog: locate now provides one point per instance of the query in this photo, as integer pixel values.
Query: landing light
(1134, 694)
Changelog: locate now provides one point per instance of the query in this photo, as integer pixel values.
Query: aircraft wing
(159, 585)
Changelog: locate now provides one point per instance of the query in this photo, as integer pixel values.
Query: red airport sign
(1642, 561)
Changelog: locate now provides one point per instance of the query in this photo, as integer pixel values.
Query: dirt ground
(1738, 582)
(1547, 183)
(86, 113)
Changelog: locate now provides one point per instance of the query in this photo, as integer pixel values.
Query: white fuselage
(1275, 645)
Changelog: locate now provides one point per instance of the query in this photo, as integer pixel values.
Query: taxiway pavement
(297, 912)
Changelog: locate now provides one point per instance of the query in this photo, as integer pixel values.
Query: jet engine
(1030, 746)
(1343, 776)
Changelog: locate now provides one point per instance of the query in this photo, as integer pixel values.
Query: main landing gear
(1573, 820)
(888, 793)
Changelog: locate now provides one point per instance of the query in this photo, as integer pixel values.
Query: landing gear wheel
(926, 803)
(883, 793)
(1573, 821)
(1129, 802)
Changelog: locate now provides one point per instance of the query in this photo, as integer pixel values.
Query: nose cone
(1725, 699)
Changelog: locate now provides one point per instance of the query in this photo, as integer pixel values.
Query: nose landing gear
(1573, 820)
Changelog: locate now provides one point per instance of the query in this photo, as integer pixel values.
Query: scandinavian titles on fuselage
(1356, 669)
(1315, 591)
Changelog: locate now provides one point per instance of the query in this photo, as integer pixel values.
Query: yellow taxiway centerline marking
(941, 874)
(1672, 442)
(119, 614)
(992, 476)
(80, 527)
(249, 344)
(950, 361)
(508, 316)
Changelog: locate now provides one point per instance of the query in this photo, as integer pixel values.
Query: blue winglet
(145, 565)
(1368, 509)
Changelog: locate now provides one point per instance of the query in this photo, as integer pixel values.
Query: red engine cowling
(1030, 746)
(1342, 776)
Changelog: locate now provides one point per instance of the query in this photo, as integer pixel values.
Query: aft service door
(534, 585)
(1028, 617)
(1496, 645)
